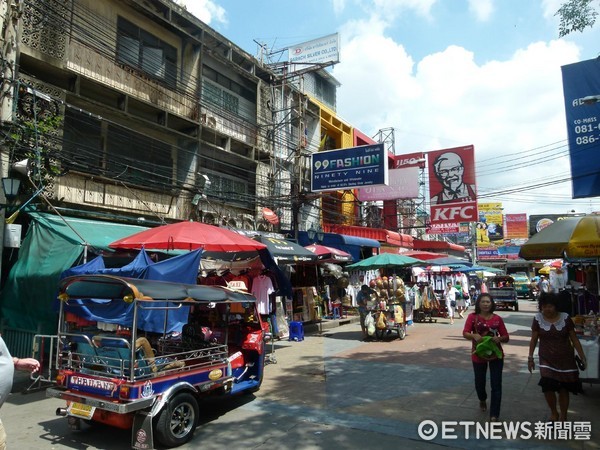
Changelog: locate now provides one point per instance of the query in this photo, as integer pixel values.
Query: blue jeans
(480, 370)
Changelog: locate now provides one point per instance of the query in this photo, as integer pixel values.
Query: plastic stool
(296, 331)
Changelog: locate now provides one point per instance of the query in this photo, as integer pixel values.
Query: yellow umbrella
(573, 237)
(546, 270)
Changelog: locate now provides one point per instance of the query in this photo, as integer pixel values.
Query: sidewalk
(392, 386)
(328, 324)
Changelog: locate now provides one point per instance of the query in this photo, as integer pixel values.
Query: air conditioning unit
(12, 235)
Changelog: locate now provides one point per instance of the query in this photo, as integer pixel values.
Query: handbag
(580, 363)
(453, 303)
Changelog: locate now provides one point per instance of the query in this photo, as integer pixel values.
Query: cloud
(549, 8)
(447, 99)
(205, 10)
(482, 9)
(419, 7)
(388, 8)
(338, 6)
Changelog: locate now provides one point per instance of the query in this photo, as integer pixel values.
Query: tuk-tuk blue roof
(110, 287)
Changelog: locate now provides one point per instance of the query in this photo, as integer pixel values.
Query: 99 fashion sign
(349, 168)
(452, 190)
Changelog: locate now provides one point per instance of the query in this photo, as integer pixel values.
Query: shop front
(439, 247)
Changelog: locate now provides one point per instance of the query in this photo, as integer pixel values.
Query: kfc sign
(452, 191)
(453, 213)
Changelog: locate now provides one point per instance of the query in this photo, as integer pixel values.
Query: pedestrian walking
(461, 303)
(555, 332)
(363, 296)
(450, 299)
(544, 285)
(8, 364)
(487, 332)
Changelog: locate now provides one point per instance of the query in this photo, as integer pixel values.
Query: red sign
(452, 190)
(516, 226)
(444, 228)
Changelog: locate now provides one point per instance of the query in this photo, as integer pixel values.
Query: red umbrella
(189, 236)
(329, 254)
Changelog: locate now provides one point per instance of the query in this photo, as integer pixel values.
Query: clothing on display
(262, 288)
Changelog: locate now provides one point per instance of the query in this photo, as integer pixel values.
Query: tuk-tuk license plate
(81, 410)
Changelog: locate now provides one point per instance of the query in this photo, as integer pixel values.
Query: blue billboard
(349, 168)
(581, 87)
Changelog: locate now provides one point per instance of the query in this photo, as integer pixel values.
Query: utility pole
(10, 13)
(474, 243)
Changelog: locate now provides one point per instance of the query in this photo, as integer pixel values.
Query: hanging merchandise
(262, 288)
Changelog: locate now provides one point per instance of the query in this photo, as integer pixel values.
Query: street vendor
(363, 296)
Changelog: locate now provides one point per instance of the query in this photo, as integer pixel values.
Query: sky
(442, 74)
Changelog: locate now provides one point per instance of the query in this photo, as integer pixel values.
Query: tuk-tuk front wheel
(178, 420)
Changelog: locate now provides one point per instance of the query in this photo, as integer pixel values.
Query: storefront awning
(354, 245)
(379, 234)
(420, 244)
(52, 244)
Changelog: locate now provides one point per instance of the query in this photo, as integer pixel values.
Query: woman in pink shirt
(483, 322)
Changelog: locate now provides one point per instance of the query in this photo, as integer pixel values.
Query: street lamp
(11, 189)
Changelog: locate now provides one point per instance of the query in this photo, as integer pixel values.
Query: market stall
(389, 289)
(577, 240)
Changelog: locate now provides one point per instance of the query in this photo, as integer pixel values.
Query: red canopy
(189, 236)
(329, 254)
(424, 255)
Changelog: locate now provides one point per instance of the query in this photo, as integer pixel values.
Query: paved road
(333, 391)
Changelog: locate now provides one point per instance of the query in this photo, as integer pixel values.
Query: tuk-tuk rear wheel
(178, 420)
(401, 332)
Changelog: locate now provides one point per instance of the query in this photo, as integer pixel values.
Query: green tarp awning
(51, 245)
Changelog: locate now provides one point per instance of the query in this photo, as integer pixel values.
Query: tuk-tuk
(502, 289)
(522, 284)
(115, 366)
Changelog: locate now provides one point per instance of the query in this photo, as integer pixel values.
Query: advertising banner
(324, 50)
(581, 88)
(490, 230)
(404, 183)
(349, 168)
(538, 222)
(515, 226)
(452, 191)
(443, 228)
(410, 160)
(487, 253)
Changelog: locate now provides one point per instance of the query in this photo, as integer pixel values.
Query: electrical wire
(96, 33)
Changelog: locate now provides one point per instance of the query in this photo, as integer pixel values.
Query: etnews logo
(579, 431)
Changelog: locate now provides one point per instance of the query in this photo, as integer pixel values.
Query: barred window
(143, 51)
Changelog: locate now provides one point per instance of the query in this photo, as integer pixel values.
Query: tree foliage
(576, 15)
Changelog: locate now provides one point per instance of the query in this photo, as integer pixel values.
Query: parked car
(502, 290)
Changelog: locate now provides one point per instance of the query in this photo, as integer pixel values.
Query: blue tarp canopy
(349, 244)
(179, 269)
